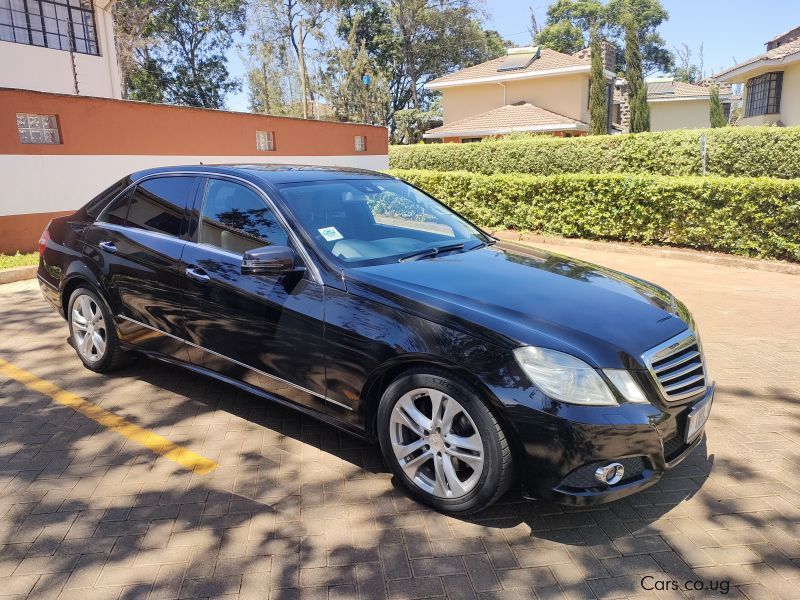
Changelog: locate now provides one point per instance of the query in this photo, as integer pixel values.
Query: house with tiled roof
(771, 82)
(673, 104)
(540, 90)
(530, 89)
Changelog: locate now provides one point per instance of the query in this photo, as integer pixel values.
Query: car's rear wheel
(442, 441)
(92, 332)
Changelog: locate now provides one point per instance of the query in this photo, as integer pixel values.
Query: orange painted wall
(21, 232)
(105, 126)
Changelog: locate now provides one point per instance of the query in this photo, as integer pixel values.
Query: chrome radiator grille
(678, 367)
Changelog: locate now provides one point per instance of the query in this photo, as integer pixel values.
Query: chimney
(609, 52)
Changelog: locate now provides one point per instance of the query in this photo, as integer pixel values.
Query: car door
(265, 330)
(135, 249)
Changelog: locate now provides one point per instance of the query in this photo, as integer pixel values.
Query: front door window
(236, 219)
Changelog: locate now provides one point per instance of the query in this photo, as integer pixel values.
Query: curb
(17, 274)
(775, 266)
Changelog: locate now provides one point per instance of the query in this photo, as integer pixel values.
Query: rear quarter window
(117, 211)
(96, 205)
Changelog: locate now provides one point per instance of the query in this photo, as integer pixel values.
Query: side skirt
(328, 420)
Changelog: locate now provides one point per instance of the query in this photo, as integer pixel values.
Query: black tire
(497, 473)
(113, 357)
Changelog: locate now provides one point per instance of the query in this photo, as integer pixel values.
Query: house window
(38, 129)
(471, 140)
(764, 94)
(59, 24)
(361, 143)
(265, 141)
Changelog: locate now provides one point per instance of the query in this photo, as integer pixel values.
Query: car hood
(525, 296)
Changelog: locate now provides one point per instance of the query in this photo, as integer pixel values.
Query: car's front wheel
(442, 441)
(92, 332)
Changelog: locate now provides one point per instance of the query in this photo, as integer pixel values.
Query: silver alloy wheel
(436, 443)
(88, 328)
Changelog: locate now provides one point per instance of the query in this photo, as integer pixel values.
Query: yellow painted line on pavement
(160, 445)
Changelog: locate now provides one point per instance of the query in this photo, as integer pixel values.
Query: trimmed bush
(731, 152)
(756, 217)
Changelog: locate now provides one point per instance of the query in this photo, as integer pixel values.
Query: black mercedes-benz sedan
(358, 299)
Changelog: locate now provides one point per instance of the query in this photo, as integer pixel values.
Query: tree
(344, 86)
(411, 42)
(131, 27)
(598, 98)
(268, 81)
(640, 111)
(438, 37)
(561, 36)
(717, 115)
(646, 17)
(411, 123)
(533, 27)
(684, 67)
(175, 51)
(298, 22)
(637, 90)
(569, 24)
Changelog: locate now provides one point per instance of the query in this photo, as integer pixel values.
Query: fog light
(610, 474)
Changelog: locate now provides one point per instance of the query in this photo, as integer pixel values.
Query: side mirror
(269, 260)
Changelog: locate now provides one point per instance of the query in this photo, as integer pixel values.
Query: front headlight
(569, 379)
(564, 377)
(626, 385)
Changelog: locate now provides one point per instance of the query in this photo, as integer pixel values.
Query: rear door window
(160, 204)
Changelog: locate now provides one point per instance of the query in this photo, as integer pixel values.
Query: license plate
(697, 418)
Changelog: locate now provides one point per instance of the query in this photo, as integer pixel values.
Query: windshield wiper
(428, 252)
(485, 244)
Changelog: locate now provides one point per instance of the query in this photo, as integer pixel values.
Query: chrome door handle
(108, 247)
(197, 274)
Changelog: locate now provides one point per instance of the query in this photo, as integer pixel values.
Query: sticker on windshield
(330, 234)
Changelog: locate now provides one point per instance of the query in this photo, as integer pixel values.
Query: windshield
(372, 221)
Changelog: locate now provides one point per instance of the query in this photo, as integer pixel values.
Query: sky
(730, 30)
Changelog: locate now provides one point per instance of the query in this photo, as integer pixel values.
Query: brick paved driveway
(297, 509)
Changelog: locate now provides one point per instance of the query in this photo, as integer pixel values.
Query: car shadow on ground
(294, 503)
(591, 534)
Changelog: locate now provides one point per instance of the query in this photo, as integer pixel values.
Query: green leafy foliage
(717, 115)
(173, 51)
(637, 89)
(598, 100)
(640, 111)
(569, 23)
(732, 151)
(756, 217)
(11, 261)
(410, 124)
(561, 36)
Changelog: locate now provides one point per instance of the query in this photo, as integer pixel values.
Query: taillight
(44, 239)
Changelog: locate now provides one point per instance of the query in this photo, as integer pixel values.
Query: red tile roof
(679, 89)
(549, 60)
(521, 116)
(779, 53)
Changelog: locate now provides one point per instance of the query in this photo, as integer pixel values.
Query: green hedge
(748, 216)
(731, 152)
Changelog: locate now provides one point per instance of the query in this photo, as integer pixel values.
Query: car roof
(275, 174)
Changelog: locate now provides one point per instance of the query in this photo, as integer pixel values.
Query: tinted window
(236, 219)
(96, 204)
(117, 211)
(158, 204)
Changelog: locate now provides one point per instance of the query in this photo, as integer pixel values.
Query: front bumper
(562, 471)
